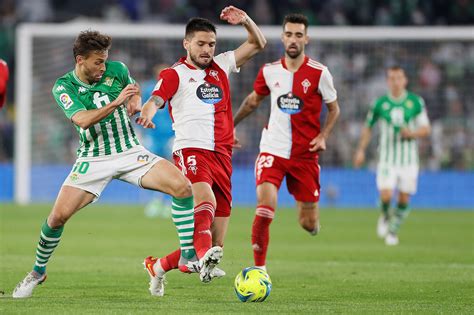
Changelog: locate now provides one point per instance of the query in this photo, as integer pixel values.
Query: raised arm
(255, 41)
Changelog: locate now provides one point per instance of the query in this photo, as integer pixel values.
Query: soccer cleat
(391, 239)
(217, 273)
(208, 262)
(188, 265)
(25, 288)
(157, 282)
(382, 226)
(316, 230)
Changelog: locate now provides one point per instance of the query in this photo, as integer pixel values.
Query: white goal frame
(25, 34)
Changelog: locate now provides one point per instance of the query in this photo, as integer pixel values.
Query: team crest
(409, 104)
(108, 81)
(386, 106)
(306, 84)
(192, 168)
(214, 74)
(73, 177)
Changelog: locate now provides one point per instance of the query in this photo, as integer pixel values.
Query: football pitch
(97, 267)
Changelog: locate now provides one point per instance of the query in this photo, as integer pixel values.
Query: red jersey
(3, 81)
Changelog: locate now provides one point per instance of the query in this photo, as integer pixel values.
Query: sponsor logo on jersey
(143, 158)
(81, 89)
(306, 84)
(66, 100)
(108, 81)
(60, 88)
(209, 93)
(290, 103)
(214, 74)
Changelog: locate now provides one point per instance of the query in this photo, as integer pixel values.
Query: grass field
(346, 269)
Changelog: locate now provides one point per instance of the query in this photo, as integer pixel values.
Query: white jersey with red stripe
(200, 103)
(296, 104)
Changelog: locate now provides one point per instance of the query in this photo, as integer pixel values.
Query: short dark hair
(198, 24)
(296, 18)
(395, 68)
(90, 41)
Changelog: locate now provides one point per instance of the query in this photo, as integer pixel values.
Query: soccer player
(3, 82)
(403, 120)
(293, 138)
(197, 89)
(98, 96)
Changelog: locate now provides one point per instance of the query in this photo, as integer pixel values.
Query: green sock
(385, 207)
(182, 212)
(400, 215)
(49, 240)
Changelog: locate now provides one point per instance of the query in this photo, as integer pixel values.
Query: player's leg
(69, 200)
(386, 182)
(308, 216)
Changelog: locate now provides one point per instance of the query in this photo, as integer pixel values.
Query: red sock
(171, 261)
(261, 233)
(203, 217)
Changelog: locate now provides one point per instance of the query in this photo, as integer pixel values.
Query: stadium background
(441, 71)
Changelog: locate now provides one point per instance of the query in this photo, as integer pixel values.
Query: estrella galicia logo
(209, 93)
(143, 158)
(289, 103)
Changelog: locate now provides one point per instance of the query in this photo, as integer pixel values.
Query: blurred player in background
(293, 138)
(98, 96)
(403, 120)
(197, 89)
(4, 74)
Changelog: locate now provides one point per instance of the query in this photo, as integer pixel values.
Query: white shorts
(92, 174)
(402, 178)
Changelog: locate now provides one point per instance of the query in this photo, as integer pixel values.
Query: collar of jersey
(399, 99)
(283, 63)
(81, 82)
(183, 61)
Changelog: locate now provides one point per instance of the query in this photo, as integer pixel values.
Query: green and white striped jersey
(113, 134)
(394, 114)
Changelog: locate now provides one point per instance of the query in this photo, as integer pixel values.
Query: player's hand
(236, 144)
(145, 122)
(406, 134)
(233, 16)
(359, 158)
(318, 144)
(128, 91)
(133, 107)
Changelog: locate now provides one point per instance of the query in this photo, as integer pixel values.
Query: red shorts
(302, 176)
(214, 168)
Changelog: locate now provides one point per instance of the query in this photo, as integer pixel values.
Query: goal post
(44, 52)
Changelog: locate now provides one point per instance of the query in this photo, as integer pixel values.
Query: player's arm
(319, 143)
(88, 118)
(359, 156)
(249, 104)
(134, 104)
(423, 126)
(255, 41)
(149, 110)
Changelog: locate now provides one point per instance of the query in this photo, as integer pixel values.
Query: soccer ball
(252, 285)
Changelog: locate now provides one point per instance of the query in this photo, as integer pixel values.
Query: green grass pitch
(346, 269)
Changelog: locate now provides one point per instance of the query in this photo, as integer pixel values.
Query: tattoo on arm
(158, 101)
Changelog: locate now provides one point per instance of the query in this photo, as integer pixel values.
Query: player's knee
(183, 189)
(57, 219)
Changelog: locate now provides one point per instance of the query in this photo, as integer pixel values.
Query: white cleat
(157, 282)
(25, 288)
(217, 273)
(208, 262)
(382, 226)
(391, 239)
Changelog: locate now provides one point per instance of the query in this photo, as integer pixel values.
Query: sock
(182, 212)
(49, 240)
(204, 215)
(261, 233)
(169, 262)
(400, 215)
(385, 207)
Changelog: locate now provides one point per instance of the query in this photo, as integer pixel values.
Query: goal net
(439, 63)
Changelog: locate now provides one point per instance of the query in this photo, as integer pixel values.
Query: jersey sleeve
(326, 87)
(226, 61)
(260, 85)
(167, 84)
(67, 99)
(372, 116)
(124, 74)
(421, 119)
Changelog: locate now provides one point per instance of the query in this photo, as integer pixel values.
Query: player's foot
(188, 265)
(157, 276)
(264, 268)
(217, 273)
(382, 226)
(208, 262)
(316, 230)
(25, 288)
(391, 239)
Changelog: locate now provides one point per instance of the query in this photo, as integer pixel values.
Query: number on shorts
(265, 161)
(191, 160)
(81, 167)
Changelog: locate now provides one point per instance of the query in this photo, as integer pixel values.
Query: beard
(293, 54)
(90, 77)
(200, 64)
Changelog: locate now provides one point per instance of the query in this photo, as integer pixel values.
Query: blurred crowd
(441, 72)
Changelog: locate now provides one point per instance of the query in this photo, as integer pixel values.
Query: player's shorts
(92, 174)
(302, 176)
(214, 168)
(403, 178)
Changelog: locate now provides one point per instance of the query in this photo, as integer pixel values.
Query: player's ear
(306, 40)
(80, 59)
(185, 43)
